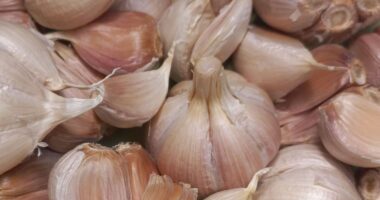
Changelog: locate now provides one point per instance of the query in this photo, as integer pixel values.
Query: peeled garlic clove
(323, 84)
(130, 42)
(306, 171)
(226, 31)
(217, 5)
(216, 135)
(132, 99)
(367, 48)
(64, 15)
(112, 174)
(369, 184)
(11, 5)
(291, 15)
(29, 111)
(154, 8)
(350, 126)
(29, 177)
(280, 74)
(18, 17)
(183, 22)
(86, 127)
(163, 188)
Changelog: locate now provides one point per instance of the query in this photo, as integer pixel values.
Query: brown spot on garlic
(369, 184)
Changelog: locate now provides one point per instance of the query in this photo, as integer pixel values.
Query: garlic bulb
(29, 178)
(217, 5)
(216, 132)
(130, 42)
(68, 14)
(323, 84)
(369, 184)
(226, 31)
(183, 22)
(306, 172)
(163, 188)
(280, 74)
(290, 15)
(29, 111)
(18, 17)
(154, 8)
(132, 99)
(350, 126)
(121, 173)
(367, 48)
(86, 127)
(11, 5)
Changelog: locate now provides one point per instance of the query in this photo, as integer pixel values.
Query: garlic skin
(125, 171)
(368, 10)
(154, 8)
(191, 136)
(369, 184)
(130, 42)
(11, 5)
(291, 16)
(226, 31)
(183, 22)
(163, 188)
(277, 75)
(29, 111)
(18, 17)
(132, 99)
(217, 5)
(65, 15)
(306, 171)
(28, 178)
(345, 134)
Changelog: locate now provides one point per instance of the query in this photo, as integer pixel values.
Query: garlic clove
(130, 42)
(280, 74)
(369, 184)
(226, 31)
(291, 15)
(132, 99)
(64, 15)
(163, 188)
(345, 134)
(154, 8)
(28, 178)
(183, 22)
(368, 10)
(11, 5)
(18, 17)
(217, 5)
(213, 109)
(39, 195)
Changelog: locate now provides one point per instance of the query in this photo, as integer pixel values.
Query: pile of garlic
(189, 99)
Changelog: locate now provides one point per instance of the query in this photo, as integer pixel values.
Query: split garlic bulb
(214, 132)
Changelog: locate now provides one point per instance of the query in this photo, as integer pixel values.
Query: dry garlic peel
(132, 99)
(350, 126)
(11, 5)
(154, 8)
(29, 111)
(369, 184)
(226, 31)
(68, 14)
(18, 17)
(183, 22)
(216, 134)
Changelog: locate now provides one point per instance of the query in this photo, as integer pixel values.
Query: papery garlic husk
(183, 22)
(154, 8)
(32, 51)
(350, 126)
(18, 17)
(92, 171)
(278, 75)
(214, 133)
(29, 177)
(300, 128)
(291, 15)
(324, 84)
(132, 99)
(65, 15)
(369, 184)
(130, 42)
(217, 5)
(11, 5)
(29, 111)
(226, 31)
(163, 188)
(367, 48)
(86, 127)
(240, 193)
(39, 195)
(306, 171)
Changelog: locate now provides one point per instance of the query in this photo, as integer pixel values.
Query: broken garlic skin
(216, 132)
